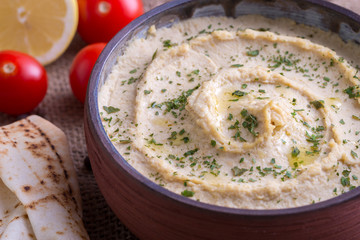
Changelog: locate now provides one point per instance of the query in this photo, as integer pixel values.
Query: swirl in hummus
(238, 112)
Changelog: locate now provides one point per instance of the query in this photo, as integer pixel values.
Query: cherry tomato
(100, 20)
(81, 68)
(23, 82)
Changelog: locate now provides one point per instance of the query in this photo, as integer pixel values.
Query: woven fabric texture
(62, 109)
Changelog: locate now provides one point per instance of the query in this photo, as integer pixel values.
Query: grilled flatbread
(39, 192)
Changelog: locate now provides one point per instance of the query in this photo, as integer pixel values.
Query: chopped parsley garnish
(213, 143)
(152, 141)
(131, 80)
(239, 93)
(178, 73)
(154, 55)
(168, 44)
(176, 103)
(111, 109)
(352, 91)
(295, 152)
(186, 139)
(187, 193)
(355, 117)
(253, 53)
(146, 92)
(314, 139)
(237, 133)
(238, 171)
(196, 72)
(191, 152)
(250, 122)
(286, 60)
(236, 65)
(133, 71)
(345, 181)
(354, 154)
(318, 103)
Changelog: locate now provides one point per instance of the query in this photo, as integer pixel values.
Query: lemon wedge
(40, 28)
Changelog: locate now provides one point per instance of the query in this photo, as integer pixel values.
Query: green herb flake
(133, 71)
(243, 86)
(213, 143)
(179, 102)
(131, 80)
(318, 103)
(295, 152)
(352, 91)
(168, 44)
(186, 139)
(238, 171)
(237, 65)
(178, 73)
(187, 193)
(342, 121)
(190, 152)
(153, 141)
(354, 154)
(111, 109)
(355, 117)
(253, 53)
(154, 55)
(146, 92)
(196, 72)
(239, 93)
(250, 122)
(346, 173)
(345, 181)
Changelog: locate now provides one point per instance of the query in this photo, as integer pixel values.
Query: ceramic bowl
(152, 212)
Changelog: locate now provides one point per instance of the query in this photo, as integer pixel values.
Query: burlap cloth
(61, 108)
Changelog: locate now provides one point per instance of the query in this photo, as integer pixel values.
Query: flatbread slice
(35, 165)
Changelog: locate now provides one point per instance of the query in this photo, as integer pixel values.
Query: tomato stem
(9, 68)
(104, 7)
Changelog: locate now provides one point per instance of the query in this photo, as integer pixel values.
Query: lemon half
(40, 28)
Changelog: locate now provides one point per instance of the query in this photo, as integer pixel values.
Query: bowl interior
(317, 13)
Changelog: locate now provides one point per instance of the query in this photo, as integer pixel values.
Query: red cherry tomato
(23, 82)
(81, 68)
(100, 20)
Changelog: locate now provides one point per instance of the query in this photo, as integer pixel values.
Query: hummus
(242, 113)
